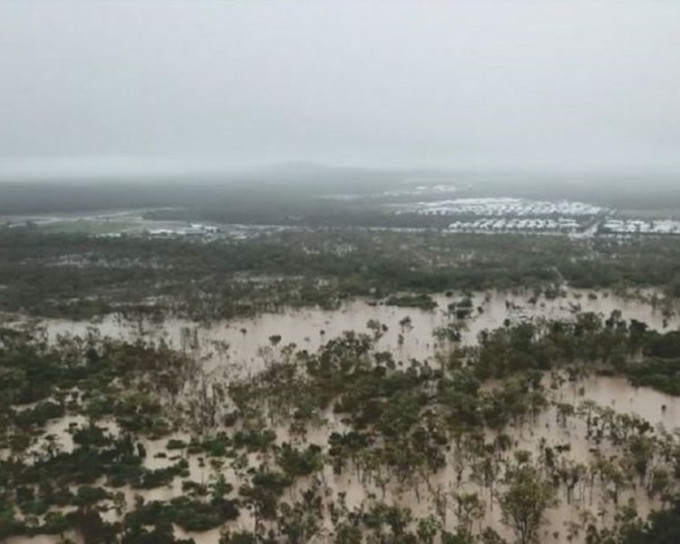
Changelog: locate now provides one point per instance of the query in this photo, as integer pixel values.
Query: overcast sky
(145, 86)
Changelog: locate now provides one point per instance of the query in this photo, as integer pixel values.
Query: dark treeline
(80, 276)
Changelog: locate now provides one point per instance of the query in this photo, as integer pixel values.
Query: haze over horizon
(159, 88)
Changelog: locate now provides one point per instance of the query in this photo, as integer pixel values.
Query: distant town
(514, 215)
(480, 215)
(507, 207)
(448, 215)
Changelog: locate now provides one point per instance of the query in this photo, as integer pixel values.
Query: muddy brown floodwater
(409, 333)
(246, 344)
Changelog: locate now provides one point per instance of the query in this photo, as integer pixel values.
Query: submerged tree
(525, 501)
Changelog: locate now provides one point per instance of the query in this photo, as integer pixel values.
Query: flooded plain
(409, 333)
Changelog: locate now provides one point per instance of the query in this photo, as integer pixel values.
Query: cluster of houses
(194, 229)
(211, 232)
(561, 224)
(572, 225)
(506, 207)
(639, 226)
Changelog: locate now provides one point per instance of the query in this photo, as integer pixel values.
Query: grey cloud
(183, 85)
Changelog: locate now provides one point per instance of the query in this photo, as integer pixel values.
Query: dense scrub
(79, 277)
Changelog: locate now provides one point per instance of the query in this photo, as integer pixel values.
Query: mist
(172, 88)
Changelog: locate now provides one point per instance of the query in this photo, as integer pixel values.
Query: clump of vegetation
(422, 301)
(660, 374)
